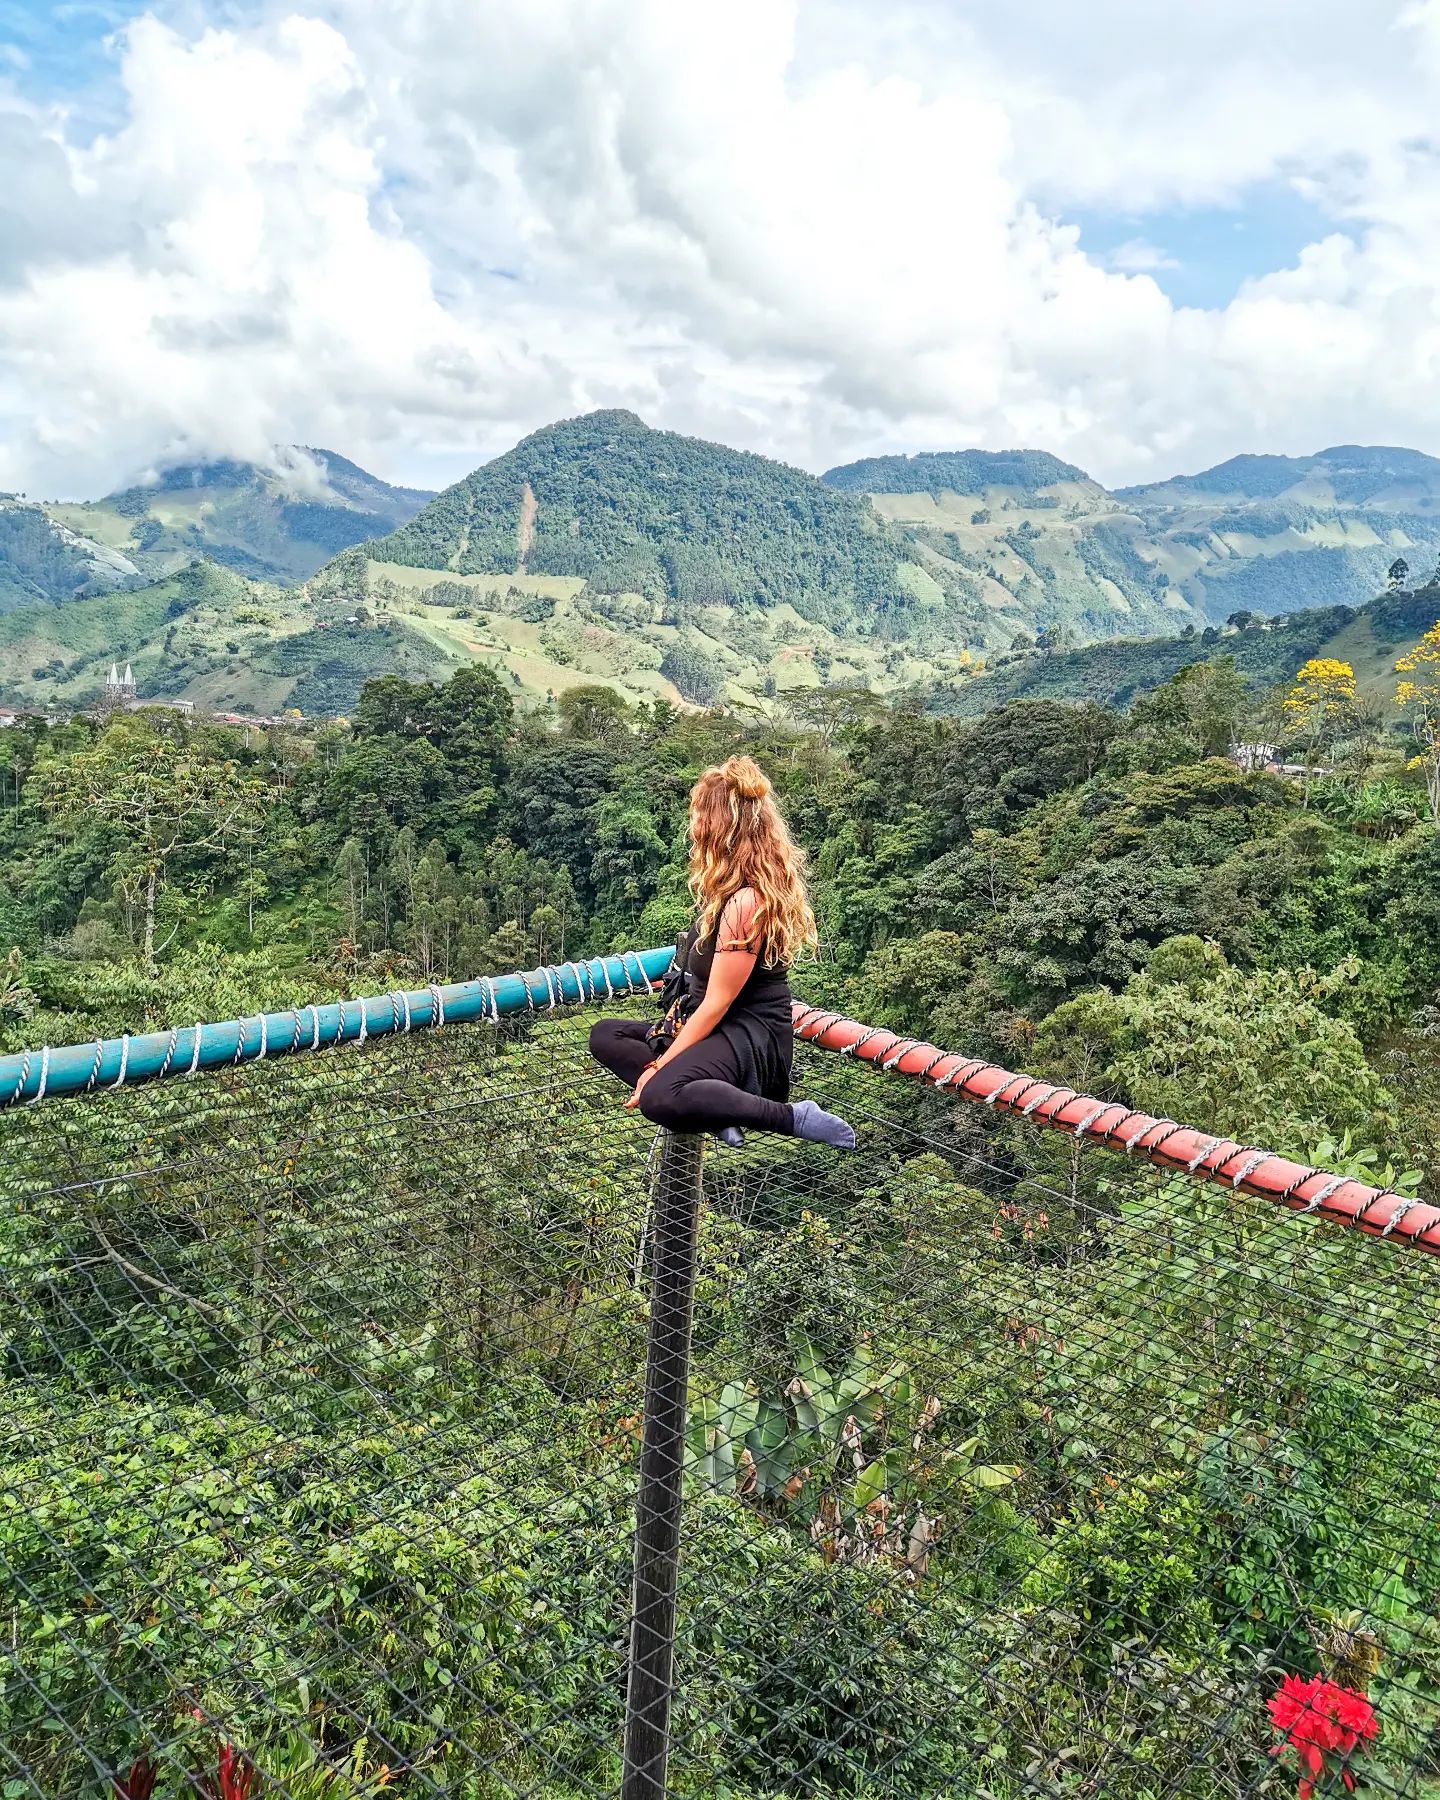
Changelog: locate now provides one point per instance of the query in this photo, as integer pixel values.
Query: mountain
(600, 550)
(955, 472)
(1269, 534)
(670, 519)
(41, 560)
(1264, 534)
(1266, 651)
(1347, 475)
(272, 524)
(1040, 548)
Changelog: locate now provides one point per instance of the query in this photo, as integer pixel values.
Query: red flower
(1318, 1719)
(139, 1783)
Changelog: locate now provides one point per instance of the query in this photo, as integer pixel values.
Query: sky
(1144, 238)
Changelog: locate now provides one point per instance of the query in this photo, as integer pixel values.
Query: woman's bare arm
(730, 970)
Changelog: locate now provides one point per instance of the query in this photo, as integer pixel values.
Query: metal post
(662, 1451)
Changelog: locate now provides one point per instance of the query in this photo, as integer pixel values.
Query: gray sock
(821, 1127)
(731, 1136)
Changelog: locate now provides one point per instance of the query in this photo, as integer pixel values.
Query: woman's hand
(645, 1074)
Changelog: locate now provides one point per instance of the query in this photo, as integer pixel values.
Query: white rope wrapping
(1404, 1204)
(44, 1074)
(1331, 1187)
(194, 1052)
(437, 1006)
(364, 1025)
(119, 1080)
(1251, 1163)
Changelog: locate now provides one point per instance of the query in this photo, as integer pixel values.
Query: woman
(728, 1065)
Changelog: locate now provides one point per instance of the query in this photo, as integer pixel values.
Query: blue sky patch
(1202, 256)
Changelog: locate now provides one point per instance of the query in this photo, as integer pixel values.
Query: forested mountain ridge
(42, 560)
(670, 568)
(668, 518)
(1262, 534)
(954, 471)
(273, 523)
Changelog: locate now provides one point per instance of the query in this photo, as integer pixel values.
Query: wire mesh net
(1011, 1468)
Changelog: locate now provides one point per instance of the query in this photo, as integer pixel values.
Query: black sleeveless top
(757, 1025)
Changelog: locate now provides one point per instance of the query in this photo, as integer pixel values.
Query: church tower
(119, 689)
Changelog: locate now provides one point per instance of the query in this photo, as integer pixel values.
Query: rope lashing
(195, 1051)
(1333, 1186)
(119, 1080)
(964, 1072)
(1112, 1124)
(1171, 1129)
(1404, 1204)
(437, 1003)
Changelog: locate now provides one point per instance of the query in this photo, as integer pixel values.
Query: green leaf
(870, 1483)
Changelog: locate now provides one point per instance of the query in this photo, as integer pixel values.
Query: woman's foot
(731, 1136)
(816, 1125)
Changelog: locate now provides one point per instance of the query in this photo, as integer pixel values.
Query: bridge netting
(1013, 1467)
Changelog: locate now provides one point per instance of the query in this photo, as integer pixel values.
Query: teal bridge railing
(408, 1418)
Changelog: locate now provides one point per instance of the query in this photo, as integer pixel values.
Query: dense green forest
(646, 512)
(971, 878)
(953, 471)
(1264, 650)
(1129, 1564)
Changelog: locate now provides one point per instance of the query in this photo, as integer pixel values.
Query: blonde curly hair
(738, 839)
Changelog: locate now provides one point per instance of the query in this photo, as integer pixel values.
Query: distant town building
(1253, 757)
(119, 689)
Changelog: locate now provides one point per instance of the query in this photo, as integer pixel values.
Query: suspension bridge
(389, 1412)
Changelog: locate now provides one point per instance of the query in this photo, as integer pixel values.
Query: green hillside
(1046, 552)
(41, 560)
(1266, 651)
(1064, 559)
(208, 635)
(628, 510)
(598, 550)
(272, 524)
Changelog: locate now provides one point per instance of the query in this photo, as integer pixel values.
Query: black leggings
(695, 1091)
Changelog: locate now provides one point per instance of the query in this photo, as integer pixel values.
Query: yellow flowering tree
(1319, 706)
(1419, 694)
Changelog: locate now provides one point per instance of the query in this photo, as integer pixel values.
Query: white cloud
(413, 233)
(1138, 257)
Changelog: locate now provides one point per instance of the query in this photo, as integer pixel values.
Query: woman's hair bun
(745, 777)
